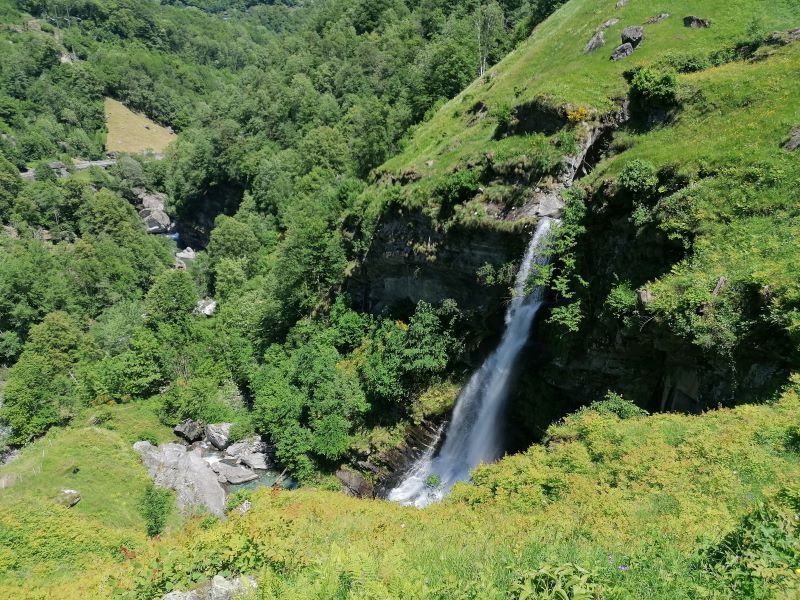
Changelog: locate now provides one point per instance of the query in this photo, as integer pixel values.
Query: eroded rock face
(189, 430)
(218, 435)
(354, 484)
(172, 466)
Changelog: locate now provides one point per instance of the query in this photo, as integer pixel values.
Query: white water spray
(473, 436)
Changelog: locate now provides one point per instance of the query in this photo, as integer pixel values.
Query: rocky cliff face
(410, 259)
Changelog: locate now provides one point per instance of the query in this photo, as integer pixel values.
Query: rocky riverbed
(205, 465)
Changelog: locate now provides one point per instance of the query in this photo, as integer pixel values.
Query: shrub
(760, 557)
(653, 87)
(614, 404)
(154, 506)
(558, 582)
(638, 177)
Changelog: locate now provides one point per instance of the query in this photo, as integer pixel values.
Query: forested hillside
(325, 252)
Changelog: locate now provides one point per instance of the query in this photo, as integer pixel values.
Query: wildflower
(623, 567)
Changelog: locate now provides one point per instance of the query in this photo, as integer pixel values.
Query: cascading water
(473, 435)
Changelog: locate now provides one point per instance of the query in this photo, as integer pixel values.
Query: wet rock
(657, 18)
(232, 473)
(794, 140)
(355, 484)
(696, 22)
(206, 307)
(250, 452)
(598, 41)
(218, 435)
(172, 466)
(68, 498)
(189, 430)
(633, 35)
(622, 51)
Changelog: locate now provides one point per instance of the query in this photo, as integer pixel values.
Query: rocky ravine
(197, 469)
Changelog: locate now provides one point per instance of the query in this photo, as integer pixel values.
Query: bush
(614, 404)
(558, 582)
(638, 177)
(653, 88)
(759, 558)
(155, 506)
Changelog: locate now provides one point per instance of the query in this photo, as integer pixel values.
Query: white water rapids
(473, 436)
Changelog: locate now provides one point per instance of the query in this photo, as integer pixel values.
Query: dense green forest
(358, 180)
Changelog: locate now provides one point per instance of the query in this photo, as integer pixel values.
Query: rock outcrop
(793, 143)
(190, 430)
(696, 22)
(185, 471)
(354, 484)
(598, 41)
(622, 51)
(633, 35)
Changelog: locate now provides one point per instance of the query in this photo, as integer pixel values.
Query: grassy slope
(551, 64)
(133, 132)
(46, 543)
(643, 493)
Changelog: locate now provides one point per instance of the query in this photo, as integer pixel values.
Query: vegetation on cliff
(308, 129)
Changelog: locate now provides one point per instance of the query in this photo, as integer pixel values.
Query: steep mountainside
(657, 410)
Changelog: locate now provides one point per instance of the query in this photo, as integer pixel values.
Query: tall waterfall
(473, 436)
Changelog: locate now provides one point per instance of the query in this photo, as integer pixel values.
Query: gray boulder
(219, 435)
(68, 498)
(598, 41)
(232, 474)
(172, 466)
(633, 35)
(250, 452)
(696, 22)
(622, 51)
(794, 140)
(621, 3)
(244, 507)
(227, 589)
(156, 221)
(189, 430)
(609, 23)
(218, 588)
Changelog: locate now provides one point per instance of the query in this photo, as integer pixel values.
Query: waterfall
(473, 436)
